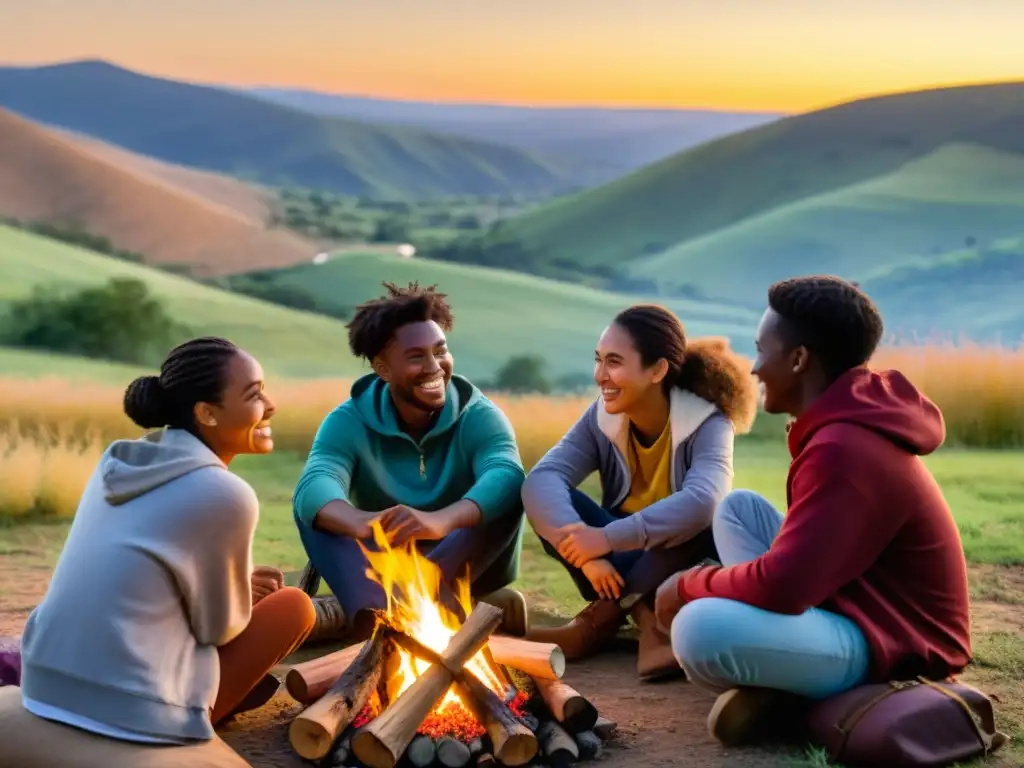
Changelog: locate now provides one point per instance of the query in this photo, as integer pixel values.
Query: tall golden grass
(52, 431)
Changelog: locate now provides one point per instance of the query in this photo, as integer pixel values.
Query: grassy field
(289, 343)
(500, 313)
(723, 182)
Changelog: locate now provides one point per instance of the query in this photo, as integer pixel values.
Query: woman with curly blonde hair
(660, 437)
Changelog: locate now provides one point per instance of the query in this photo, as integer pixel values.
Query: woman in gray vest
(660, 437)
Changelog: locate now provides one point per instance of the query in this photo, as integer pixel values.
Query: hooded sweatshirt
(361, 455)
(868, 533)
(154, 576)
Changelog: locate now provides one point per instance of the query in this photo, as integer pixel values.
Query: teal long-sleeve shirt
(360, 455)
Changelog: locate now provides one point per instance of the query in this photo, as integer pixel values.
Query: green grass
(723, 182)
(500, 313)
(287, 342)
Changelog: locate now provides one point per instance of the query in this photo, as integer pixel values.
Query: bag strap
(985, 737)
(846, 725)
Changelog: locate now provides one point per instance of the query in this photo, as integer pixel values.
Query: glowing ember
(454, 721)
(411, 583)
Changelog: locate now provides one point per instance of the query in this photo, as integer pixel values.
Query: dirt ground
(660, 724)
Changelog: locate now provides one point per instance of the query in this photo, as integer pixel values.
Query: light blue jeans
(723, 644)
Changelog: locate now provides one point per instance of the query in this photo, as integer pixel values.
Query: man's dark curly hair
(833, 318)
(376, 321)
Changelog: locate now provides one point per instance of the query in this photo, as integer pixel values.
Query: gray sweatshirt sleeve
(684, 514)
(214, 565)
(572, 460)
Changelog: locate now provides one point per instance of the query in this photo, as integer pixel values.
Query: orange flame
(411, 583)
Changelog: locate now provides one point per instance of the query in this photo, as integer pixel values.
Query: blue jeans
(642, 570)
(490, 551)
(723, 644)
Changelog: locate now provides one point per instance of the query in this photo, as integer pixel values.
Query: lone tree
(523, 374)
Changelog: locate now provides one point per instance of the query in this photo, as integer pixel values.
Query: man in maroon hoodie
(864, 578)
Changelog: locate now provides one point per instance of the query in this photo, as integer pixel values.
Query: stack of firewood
(354, 717)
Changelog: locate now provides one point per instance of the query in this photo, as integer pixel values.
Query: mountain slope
(211, 128)
(287, 342)
(597, 144)
(165, 213)
(958, 195)
(725, 181)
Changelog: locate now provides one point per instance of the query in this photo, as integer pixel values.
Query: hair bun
(145, 403)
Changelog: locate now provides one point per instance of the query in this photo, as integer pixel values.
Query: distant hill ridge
(228, 132)
(166, 213)
(733, 178)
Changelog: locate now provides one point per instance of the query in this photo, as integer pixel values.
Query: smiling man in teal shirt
(422, 451)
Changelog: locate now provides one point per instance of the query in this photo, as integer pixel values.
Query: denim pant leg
(490, 551)
(643, 571)
(724, 644)
(595, 515)
(342, 564)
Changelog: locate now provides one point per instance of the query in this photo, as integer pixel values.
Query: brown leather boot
(654, 660)
(740, 715)
(592, 628)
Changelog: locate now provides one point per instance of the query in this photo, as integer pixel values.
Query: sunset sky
(786, 55)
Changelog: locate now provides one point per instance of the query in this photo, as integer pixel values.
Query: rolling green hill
(220, 130)
(287, 342)
(500, 313)
(955, 197)
(732, 179)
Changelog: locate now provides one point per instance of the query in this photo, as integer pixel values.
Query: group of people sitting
(156, 626)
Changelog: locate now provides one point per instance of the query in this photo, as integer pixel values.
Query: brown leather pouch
(911, 723)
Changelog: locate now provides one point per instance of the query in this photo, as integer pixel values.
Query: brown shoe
(654, 659)
(513, 607)
(593, 627)
(740, 714)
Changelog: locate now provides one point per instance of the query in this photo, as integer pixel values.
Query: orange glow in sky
(779, 55)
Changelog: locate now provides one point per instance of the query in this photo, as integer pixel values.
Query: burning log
(312, 732)
(558, 746)
(543, 660)
(381, 743)
(588, 744)
(308, 681)
(513, 743)
(572, 711)
(421, 752)
(452, 753)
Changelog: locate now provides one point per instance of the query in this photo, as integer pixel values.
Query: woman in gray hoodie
(660, 437)
(155, 625)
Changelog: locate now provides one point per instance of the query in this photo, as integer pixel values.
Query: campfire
(435, 686)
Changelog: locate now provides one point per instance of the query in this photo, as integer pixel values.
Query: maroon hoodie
(868, 533)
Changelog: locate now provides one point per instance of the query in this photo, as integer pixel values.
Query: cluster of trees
(119, 321)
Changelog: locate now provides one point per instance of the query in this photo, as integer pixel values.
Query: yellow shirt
(651, 471)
